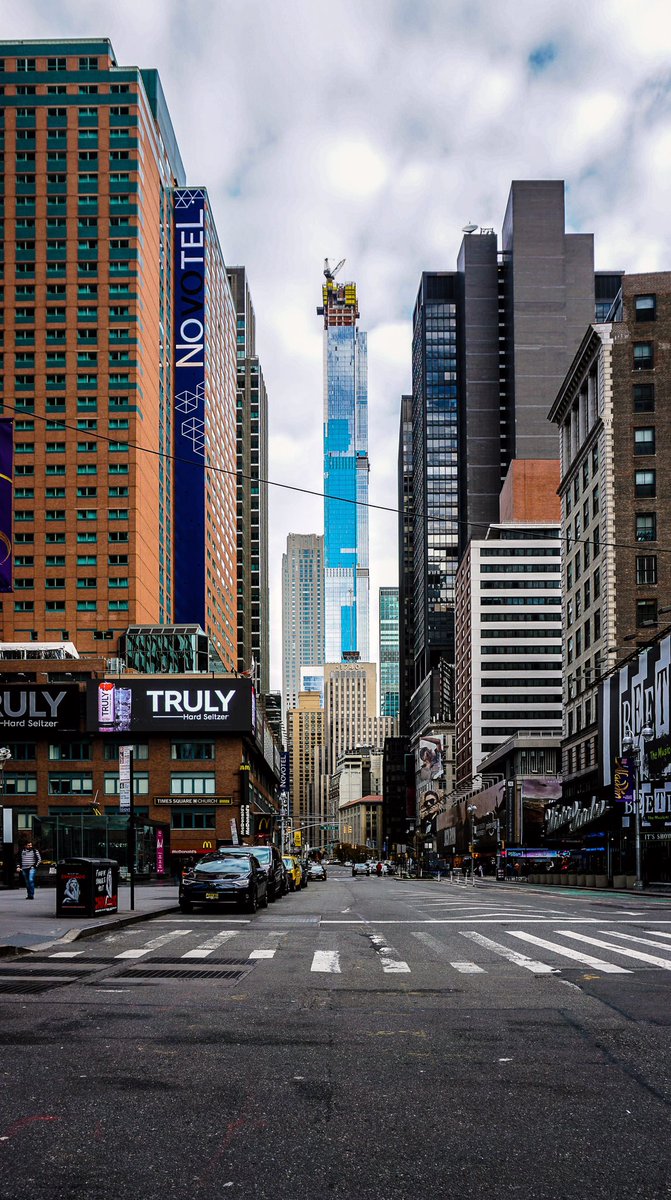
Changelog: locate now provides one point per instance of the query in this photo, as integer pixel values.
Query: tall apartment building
(389, 652)
(613, 414)
(92, 353)
(509, 637)
(302, 612)
(346, 565)
(491, 344)
(253, 599)
(306, 739)
(350, 690)
(406, 606)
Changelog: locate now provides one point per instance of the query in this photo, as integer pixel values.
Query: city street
(368, 1036)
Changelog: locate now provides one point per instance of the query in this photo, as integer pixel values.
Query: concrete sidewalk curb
(74, 935)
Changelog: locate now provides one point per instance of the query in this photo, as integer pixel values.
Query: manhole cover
(186, 976)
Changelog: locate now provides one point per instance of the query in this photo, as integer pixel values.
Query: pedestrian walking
(29, 861)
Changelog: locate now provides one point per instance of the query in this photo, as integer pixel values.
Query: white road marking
(654, 961)
(264, 954)
(468, 968)
(520, 960)
(154, 944)
(467, 918)
(66, 954)
(628, 937)
(658, 933)
(212, 944)
(390, 964)
(327, 961)
(569, 952)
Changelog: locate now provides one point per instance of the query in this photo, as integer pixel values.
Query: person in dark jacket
(29, 861)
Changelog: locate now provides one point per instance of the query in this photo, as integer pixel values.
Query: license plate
(212, 895)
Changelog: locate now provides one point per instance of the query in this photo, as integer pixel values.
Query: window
(141, 750)
(70, 751)
(597, 583)
(196, 784)
(20, 785)
(646, 613)
(70, 783)
(140, 784)
(646, 527)
(190, 750)
(645, 483)
(644, 397)
(646, 569)
(645, 307)
(193, 818)
(644, 441)
(597, 624)
(643, 356)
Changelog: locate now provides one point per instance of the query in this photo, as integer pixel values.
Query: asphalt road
(366, 1037)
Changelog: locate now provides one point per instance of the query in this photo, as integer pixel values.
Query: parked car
(316, 871)
(293, 871)
(305, 870)
(390, 868)
(360, 869)
(222, 879)
(270, 860)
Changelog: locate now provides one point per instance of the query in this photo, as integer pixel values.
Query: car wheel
(272, 894)
(185, 906)
(253, 903)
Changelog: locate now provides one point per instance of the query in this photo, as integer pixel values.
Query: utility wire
(94, 435)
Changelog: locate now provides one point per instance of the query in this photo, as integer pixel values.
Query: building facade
(350, 691)
(346, 566)
(389, 651)
(302, 612)
(253, 597)
(306, 738)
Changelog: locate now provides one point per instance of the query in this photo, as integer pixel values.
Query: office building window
(644, 397)
(644, 441)
(646, 527)
(646, 569)
(644, 358)
(194, 784)
(645, 483)
(645, 307)
(646, 613)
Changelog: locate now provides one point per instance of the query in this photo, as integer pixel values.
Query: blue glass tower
(346, 573)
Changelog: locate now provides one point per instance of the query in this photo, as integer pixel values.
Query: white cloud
(376, 138)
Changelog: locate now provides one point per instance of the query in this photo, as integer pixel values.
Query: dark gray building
(252, 492)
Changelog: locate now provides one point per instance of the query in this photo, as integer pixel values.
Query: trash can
(87, 887)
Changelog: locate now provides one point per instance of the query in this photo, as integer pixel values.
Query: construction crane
(330, 273)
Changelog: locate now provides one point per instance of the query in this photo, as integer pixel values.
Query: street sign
(125, 760)
(298, 837)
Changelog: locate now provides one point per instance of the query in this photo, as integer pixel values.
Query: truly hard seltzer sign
(156, 706)
(38, 708)
(189, 349)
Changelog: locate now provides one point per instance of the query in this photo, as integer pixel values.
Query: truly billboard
(32, 709)
(166, 706)
(189, 349)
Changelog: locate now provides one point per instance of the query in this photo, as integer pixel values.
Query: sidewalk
(33, 925)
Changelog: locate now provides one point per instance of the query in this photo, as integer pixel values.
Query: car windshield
(224, 867)
(288, 862)
(260, 853)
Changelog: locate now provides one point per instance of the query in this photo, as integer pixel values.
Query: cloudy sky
(373, 130)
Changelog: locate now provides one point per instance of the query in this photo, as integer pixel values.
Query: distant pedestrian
(29, 861)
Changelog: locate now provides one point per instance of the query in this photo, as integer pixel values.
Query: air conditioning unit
(116, 666)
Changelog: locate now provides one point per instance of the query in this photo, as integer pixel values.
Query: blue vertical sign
(189, 407)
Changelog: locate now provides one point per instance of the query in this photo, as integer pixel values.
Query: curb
(74, 935)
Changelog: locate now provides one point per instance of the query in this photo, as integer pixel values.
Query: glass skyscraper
(346, 575)
(389, 651)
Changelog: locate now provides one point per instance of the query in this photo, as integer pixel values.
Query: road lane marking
(569, 952)
(391, 965)
(327, 961)
(468, 968)
(654, 961)
(154, 944)
(212, 944)
(658, 933)
(520, 960)
(466, 919)
(264, 954)
(642, 941)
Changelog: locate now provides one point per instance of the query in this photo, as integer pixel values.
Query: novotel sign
(156, 706)
(189, 407)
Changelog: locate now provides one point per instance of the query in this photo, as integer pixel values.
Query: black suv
(270, 861)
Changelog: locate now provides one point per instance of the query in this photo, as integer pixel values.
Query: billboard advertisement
(189, 404)
(31, 709)
(430, 758)
(633, 697)
(165, 706)
(6, 502)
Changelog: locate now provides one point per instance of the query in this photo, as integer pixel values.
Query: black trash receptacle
(87, 887)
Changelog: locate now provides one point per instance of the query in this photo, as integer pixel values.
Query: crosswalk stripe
(657, 933)
(212, 944)
(67, 954)
(468, 968)
(327, 961)
(520, 960)
(390, 964)
(629, 937)
(653, 959)
(569, 952)
(154, 944)
(264, 954)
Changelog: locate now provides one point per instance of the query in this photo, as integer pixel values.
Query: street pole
(5, 755)
(471, 810)
(629, 742)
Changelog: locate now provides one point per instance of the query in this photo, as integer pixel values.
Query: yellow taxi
(293, 870)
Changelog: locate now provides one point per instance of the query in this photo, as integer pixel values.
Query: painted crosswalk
(321, 951)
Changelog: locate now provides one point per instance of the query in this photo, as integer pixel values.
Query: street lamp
(5, 755)
(629, 743)
(471, 810)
